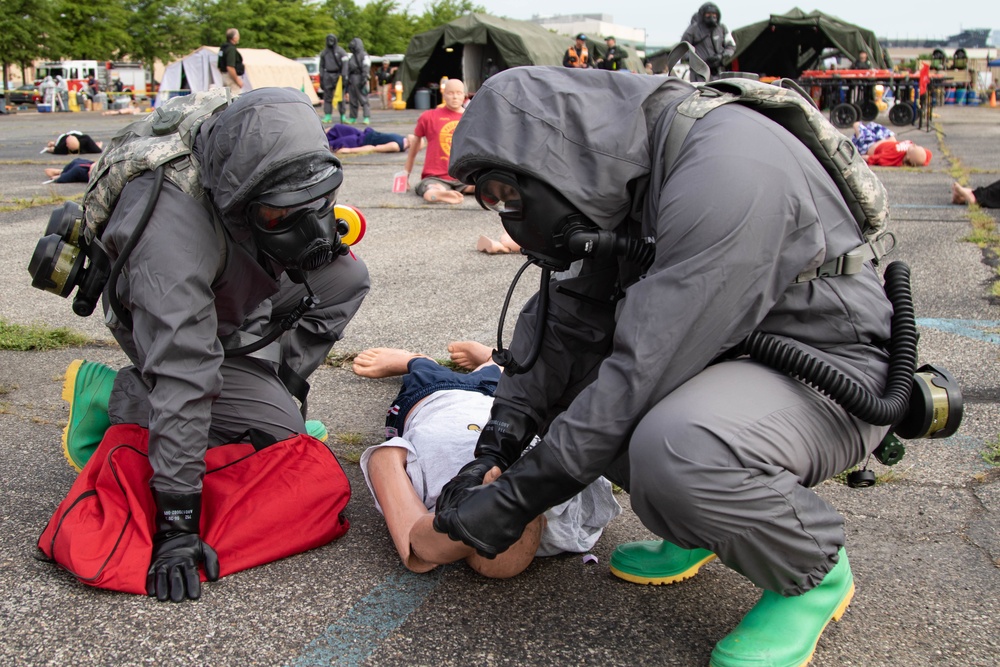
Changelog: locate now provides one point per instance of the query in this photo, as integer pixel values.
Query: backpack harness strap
(706, 99)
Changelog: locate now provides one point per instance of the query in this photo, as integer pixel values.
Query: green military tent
(462, 48)
(787, 44)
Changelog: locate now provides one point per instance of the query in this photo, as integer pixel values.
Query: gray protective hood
(268, 140)
(357, 46)
(331, 42)
(590, 128)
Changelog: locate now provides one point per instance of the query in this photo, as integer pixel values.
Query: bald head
(454, 94)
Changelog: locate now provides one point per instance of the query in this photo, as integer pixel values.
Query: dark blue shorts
(374, 138)
(424, 377)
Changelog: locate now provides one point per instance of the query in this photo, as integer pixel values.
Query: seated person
(72, 143)
(987, 196)
(433, 427)
(77, 171)
(345, 138)
(434, 129)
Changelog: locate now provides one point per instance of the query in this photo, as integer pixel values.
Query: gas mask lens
(276, 219)
(501, 193)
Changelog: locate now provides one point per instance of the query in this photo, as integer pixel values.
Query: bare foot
(383, 362)
(437, 196)
(491, 247)
(960, 195)
(469, 354)
(53, 173)
(509, 243)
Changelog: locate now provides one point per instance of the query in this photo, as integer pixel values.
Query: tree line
(149, 30)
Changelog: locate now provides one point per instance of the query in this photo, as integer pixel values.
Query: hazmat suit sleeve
(166, 286)
(736, 220)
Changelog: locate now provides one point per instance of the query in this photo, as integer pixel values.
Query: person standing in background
(231, 62)
(331, 68)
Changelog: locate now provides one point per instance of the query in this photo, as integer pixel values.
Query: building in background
(596, 27)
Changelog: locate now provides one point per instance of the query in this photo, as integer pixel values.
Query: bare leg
(469, 354)
(53, 173)
(383, 362)
(959, 195)
(439, 194)
(509, 243)
(491, 247)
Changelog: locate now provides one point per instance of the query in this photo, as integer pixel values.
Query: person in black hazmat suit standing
(632, 380)
(185, 298)
(359, 70)
(711, 39)
(331, 69)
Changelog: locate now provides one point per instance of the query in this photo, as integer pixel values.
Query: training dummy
(432, 427)
(635, 376)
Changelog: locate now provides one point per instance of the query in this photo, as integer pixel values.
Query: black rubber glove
(503, 439)
(177, 549)
(491, 518)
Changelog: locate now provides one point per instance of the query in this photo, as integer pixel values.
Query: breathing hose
(858, 401)
(504, 357)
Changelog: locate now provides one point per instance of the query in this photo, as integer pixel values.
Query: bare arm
(236, 77)
(411, 156)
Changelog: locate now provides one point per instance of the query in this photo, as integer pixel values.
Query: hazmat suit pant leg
(355, 94)
(340, 287)
(328, 101)
(725, 463)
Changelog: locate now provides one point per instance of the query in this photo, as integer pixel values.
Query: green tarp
(507, 42)
(787, 44)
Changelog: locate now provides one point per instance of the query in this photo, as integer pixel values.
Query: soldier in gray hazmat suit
(331, 69)
(358, 71)
(711, 39)
(220, 271)
(632, 381)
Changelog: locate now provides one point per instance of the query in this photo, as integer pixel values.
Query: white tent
(264, 68)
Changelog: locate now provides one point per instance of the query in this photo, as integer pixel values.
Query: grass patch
(340, 360)
(350, 439)
(20, 204)
(991, 454)
(38, 338)
(7, 389)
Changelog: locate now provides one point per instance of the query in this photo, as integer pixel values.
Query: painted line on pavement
(984, 330)
(353, 638)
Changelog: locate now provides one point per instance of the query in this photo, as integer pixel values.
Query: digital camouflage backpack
(787, 104)
(162, 138)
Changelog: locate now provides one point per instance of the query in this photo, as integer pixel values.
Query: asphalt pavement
(924, 542)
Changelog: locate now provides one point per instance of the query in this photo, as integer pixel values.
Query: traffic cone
(993, 98)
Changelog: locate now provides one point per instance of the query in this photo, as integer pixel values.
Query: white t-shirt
(440, 437)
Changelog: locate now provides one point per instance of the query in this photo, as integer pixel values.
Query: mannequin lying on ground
(433, 426)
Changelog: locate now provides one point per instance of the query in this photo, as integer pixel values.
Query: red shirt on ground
(438, 126)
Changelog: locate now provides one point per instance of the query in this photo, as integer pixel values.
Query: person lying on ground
(73, 142)
(987, 196)
(881, 148)
(346, 138)
(433, 426)
(77, 171)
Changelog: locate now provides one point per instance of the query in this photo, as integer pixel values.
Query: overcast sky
(664, 22)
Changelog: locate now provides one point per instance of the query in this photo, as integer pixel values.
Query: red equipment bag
(257, 505)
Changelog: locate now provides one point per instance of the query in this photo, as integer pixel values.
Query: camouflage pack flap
(164, 137)
(789, 106)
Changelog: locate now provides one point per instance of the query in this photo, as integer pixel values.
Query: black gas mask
(298, 230)
(553, 234)
(710, 14)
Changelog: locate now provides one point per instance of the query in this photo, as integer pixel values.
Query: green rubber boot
(352, 121)
(366, 120)
(86, 388)
(657, 562)
(343, 118)
(783, 632)
(327, 118)
(316, 429)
